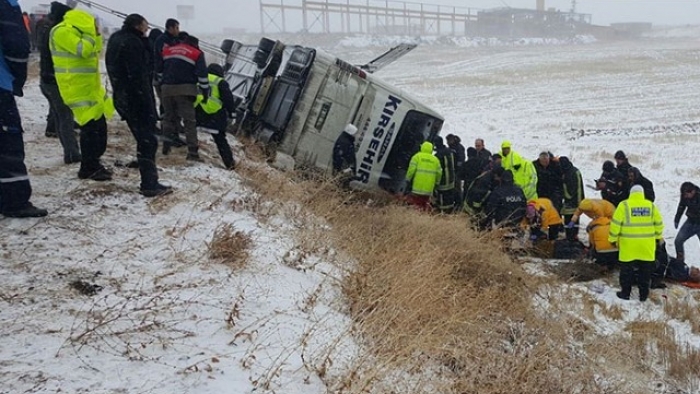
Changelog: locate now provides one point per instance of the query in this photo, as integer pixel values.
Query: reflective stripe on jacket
(424, 171)
(213, 104)
(75, 49)
(635, 227)
(524, 173)
(598, 231)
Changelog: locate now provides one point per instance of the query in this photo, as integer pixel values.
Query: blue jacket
(14, 47)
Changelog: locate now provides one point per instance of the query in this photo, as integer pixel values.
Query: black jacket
(478, 192)
(573, 191)
(129, 68)
(505, 206)
(344, 153)
(691, 207)
(46, 70)
(472, 169)
(549, 182)
(646, 184)
(613, 190)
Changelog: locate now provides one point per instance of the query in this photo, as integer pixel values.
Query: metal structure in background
(208, 48)
(366, 16)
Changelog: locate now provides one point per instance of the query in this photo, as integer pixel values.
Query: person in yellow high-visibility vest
(75, 46)
(424, 174)
(213, 115)
(636, 228)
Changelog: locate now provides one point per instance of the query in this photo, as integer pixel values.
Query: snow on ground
(168, 319)
(639, 96)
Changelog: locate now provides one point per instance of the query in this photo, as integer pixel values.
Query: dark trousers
(15, 189)
(571, 233)
(641, 270)
(687, 231)
(63, 121)
(93, 144)
(176, 108)
(146, 147)
(224, 148)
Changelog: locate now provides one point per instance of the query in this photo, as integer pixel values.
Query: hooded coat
(75, 50)
(424, 171)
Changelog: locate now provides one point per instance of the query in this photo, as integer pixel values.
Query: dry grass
(449, 308)
(230, 246)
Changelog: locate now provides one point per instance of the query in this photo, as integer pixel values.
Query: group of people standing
(70, 45)
(547, 197)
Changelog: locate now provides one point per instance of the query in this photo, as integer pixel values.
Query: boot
(193, 155)
(101, 174)
(156, 190)
(28, 211)
(622, 295)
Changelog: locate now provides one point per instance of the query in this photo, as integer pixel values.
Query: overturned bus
(297, 100)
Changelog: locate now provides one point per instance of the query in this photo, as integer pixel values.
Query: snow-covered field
(168, 319)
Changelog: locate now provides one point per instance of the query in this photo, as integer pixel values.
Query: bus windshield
(416, 128)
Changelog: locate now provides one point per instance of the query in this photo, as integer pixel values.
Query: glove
(570, 224)
(675, 224)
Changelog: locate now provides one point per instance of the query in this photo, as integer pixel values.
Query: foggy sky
(212, 16)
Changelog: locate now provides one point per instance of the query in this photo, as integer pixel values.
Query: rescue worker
(593, 208)
(424, 174)
(128, 65)
(479, 191)
(601, 250)
(59, 113)
(215, 112)
(635, 177)
(505, 206)
(543, 219)
(15, 189)
(445, 198)
(636, 228)
(523, 171)
(473, 167)
(455, 143)
(75, 50)
(690, 205)
(611, 184)
(184, 77)
(549, 179)
(344, 156)
(573, 195)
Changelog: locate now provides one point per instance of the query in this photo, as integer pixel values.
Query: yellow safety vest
(75, 49)
(214, 103)
(635, 227)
